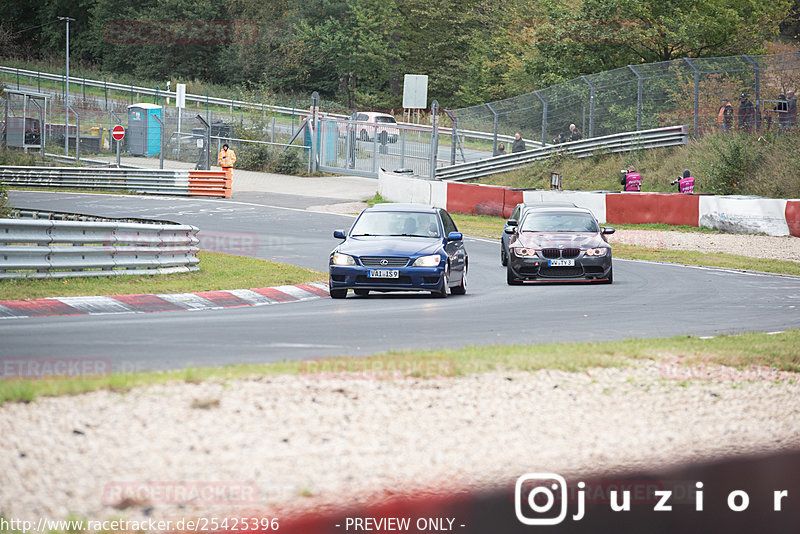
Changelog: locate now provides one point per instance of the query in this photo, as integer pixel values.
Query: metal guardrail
(45, 248)
(152, 181)
(624, 142)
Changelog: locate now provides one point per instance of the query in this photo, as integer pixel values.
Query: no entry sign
(118, 132)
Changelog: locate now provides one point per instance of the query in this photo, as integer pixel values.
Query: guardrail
(624, 142)
(152, 181)
(45, 248)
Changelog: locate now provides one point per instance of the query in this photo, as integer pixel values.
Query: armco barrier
(45, 248)
(735, 214)
(152, 181)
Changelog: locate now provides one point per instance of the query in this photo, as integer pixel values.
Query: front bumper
(588, 268)
(410, 279)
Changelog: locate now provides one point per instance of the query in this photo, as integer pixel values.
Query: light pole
(66, 103)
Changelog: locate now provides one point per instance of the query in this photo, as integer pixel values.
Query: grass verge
(776, 351)
(217, 271)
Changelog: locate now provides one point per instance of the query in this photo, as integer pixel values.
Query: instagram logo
(535, 497)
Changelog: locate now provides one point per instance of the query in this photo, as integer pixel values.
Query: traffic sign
(118, 132)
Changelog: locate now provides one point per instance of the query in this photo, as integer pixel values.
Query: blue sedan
(399, 247)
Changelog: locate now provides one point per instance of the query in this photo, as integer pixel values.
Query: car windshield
(559, 222)
(386, 119)
(393, 223)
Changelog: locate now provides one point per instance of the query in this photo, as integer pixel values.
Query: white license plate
(384, 273)
(561, 263)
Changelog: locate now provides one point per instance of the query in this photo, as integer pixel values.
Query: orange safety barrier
(477, 199)
(209, 184)
(641, 208)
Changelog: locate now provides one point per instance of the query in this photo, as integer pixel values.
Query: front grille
(594, 269)
(528, 269)
(561, 272)
(555, 253)
(376, 261)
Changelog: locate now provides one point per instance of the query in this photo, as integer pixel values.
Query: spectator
(519, 144)
(574, 133)
(791, 110)
(632, 180)
(501, 150)
(747, 114)
(725, 116)
(560, 138)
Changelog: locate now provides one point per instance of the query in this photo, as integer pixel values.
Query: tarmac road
(646, 299)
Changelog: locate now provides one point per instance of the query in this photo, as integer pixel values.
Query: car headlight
(427, 261)
(342, 259)
(601, 251)
(523, 252)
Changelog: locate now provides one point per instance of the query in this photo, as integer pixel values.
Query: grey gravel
(309, 442)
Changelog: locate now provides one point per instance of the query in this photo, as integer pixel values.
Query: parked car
(372, 123)
(399, 247)
(516, 215)
(559, 244)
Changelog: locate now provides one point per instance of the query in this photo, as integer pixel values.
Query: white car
(370, 122)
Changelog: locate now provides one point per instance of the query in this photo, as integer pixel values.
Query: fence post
(434, 138)
(757, 96)
(638, 98)
(544, 117)
(313, 126)
(494, 136)
(696, 97)
(591, 106)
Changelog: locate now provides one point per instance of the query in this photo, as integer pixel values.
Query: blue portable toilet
(144, 132)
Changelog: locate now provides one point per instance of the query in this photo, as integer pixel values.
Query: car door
(455, 249)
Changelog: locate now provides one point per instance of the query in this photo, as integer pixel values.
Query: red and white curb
(202, 300)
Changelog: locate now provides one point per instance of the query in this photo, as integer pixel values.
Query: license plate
(561, 263)
(384, 273)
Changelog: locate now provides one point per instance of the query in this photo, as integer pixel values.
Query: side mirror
(608, 230)
(455, 236)
(510, 230)
(338, 234)
(512, 222)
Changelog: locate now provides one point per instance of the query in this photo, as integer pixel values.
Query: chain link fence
(640, 97)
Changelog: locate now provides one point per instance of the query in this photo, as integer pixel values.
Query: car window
(559, 222)
(447, 222)
(362, 117)
(386, 119)
(396, 223)
(515, 213)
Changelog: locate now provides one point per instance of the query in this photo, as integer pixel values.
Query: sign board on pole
(180, 95)
(415, 91)
(118, 132)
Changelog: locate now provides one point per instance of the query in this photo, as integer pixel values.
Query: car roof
(402, 207)
(564, 209)
(543, 204)
(375, 114)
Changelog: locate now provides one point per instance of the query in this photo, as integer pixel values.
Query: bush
(737, 159)
(289, 162)
(5, 211)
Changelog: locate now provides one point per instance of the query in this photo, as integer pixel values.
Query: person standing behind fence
(725, 116)
(519, 144)
(574, 133)
(685, 183)
(747, 114)
(226, 160)
(632, 180)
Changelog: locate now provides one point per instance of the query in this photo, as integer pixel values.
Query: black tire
(610, 276)
(461, 289)
(337, 293)
(443, 285)
(503, 256)
(364, 135)
(510, 278)
(361, 292)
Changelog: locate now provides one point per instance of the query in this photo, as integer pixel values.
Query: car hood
(561, 240)
(390, 246)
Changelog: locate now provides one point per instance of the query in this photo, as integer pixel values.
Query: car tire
(510, 278)
(337, 293)
(364, 135)
(461, 289)
(503, 256)
(444, 285)
(361, 292)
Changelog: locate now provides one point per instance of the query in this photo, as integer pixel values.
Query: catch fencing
(647, 96)
(58, 248)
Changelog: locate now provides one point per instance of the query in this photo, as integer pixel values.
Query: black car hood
(561, 240)
(390, 246)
